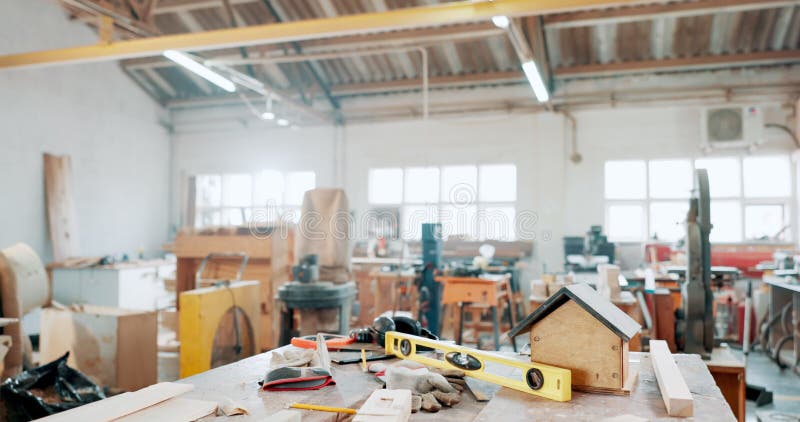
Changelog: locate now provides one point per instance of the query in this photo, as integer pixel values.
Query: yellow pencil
(363, 360)
(323, 408)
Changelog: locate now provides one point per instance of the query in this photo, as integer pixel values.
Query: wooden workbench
(239, 382)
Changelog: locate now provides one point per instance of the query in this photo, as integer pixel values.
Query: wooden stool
(395, 292)
(477, 296)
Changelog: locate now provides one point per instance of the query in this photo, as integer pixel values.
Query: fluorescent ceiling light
(267, 115)
(283, 122)
(535, 79)
(189, 63)
(501, 21)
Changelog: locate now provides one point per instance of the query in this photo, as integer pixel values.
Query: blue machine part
(431, 290)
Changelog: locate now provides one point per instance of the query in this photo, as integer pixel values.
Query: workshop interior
(400, 210)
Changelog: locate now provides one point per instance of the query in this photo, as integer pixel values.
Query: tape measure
(540, 380)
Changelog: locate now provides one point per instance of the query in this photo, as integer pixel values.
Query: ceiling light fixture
(535, 79)
(268, 115)
(283, 122)
(501, 21)
(204, 72)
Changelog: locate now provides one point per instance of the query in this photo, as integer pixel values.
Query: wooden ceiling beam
(682, 64)
(658, 10)
(363, 23)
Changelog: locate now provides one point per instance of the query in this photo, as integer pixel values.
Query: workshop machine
(695, 320)
(584, 254)
(430, 289)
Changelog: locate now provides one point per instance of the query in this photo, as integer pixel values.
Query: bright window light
(626, 180)
(625, 222)
(282, 122)
(269, 188)
(535, 79)
(764, 222)
(498, 183)
(667, 220)
(497, 223)
(459, 221)
(459, 184)
(237, 190)
(268, 115)
(189, 63)
(670, 179)
(726, 219)
(501, 21)
(297, 183)
(767, 177)
(386, 186)
(724, 177)
(422, 184)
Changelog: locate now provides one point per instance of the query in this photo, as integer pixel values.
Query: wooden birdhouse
(578, 329)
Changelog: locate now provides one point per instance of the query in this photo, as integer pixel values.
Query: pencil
(323, 408)
(363, 360)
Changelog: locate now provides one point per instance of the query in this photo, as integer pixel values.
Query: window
(474, 202)
(750, 198)
(236, 199)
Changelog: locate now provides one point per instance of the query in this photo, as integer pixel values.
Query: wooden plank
(664, 318)
(674, 391)
(175, 409)
(61, 220)
(386, 406)
(198, 246)
(137, 350)
(121, 405)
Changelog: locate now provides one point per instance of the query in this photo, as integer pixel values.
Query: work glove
(294, 358)
(430, 390)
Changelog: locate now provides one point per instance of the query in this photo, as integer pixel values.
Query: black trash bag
(48, 389)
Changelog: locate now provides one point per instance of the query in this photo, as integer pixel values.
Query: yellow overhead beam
(398, 19)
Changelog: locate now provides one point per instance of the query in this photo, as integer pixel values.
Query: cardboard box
(114, 347)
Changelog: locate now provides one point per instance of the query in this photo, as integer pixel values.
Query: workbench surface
(239, 383)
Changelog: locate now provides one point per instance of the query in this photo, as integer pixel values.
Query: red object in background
(753, 324)
(663, 252)
(743, 260)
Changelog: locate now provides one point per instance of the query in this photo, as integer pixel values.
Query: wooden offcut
(386, 406)
(270, 258)
(201, 318)
(122, 405)
(674, 391)
(61, 220)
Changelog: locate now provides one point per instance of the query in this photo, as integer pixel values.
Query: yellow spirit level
(540, 380)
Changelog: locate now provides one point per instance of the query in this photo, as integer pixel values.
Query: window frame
(743, 200)
(253, 207)
(441, 204)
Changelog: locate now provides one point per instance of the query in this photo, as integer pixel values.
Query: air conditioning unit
(732, 127)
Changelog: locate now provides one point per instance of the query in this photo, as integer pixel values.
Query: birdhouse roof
(584, 295)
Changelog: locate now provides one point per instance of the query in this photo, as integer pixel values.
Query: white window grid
(743, 201)
(258, 209)
(481, 206)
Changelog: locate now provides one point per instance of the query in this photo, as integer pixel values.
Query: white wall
(566, 197)
(251, 149)
(98, 116)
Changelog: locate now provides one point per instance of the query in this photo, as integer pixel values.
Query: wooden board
(176, 409)
(386, 406)
(664, 319)
(201, 314)
(198, 246)
(674, 391)
(61, 220)
(592, 351)
(121, 405)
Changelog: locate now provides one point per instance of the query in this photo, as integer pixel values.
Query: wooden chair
(479, 297)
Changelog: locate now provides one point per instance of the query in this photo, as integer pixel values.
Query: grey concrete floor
(784, 384)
